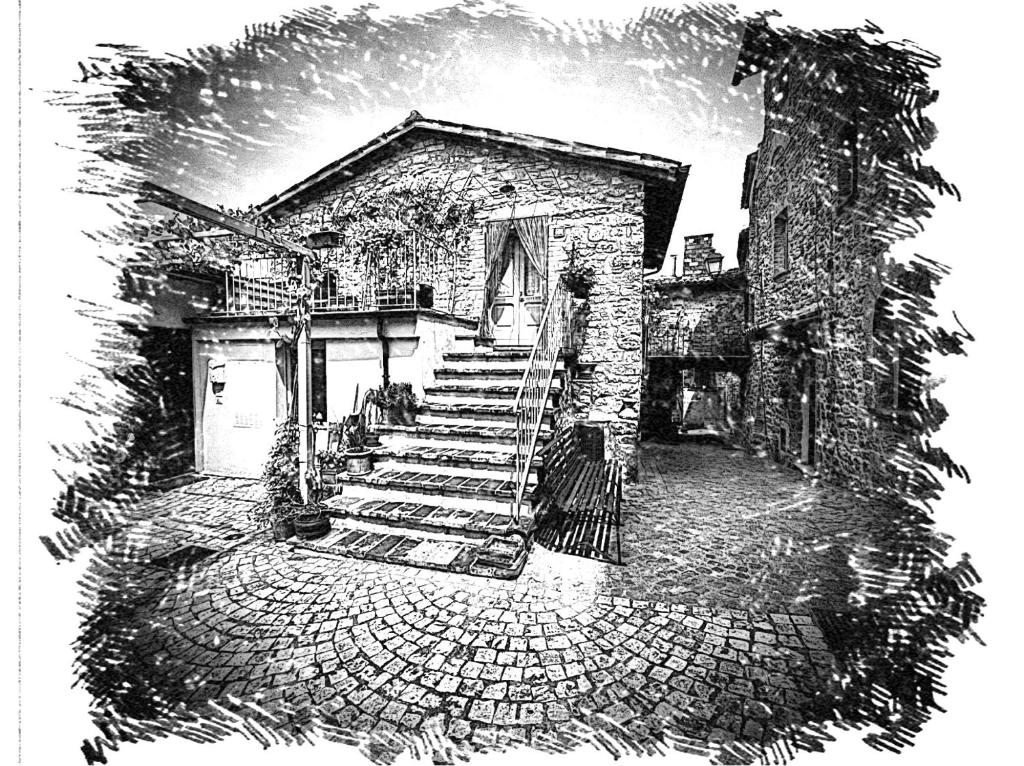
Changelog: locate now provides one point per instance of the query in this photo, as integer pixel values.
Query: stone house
(537, 203)
(695, 350)
(833, 183)
(464, 301)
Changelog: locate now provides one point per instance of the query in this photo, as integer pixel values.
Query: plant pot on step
(372, 440)
(311, 526)
(408, 417)
(358, 462)
(283, 529)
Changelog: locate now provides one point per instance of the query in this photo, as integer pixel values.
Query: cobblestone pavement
(709, 526)
(547, 660)
(213, 513)
(705, 636)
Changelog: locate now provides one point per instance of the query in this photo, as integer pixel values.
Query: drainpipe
(385, 350)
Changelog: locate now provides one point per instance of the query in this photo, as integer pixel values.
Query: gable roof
(664, 179)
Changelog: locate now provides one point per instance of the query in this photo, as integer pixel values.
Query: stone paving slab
(421, 516)
(370, 643)
(707, 635)
(213, 513)
(493, 557)
(710, 526)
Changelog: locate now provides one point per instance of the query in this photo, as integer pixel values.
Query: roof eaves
(648, 165)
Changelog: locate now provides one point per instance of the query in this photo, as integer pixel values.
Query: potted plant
(323, 238)
(312, 524)
(358, 459)
(578, 277)
(369, 407)
(397, 403)
(328, 462)
(281, 480)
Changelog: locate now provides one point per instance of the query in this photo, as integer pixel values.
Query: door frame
(519, 301)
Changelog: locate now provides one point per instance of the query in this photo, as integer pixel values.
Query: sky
(245, 125)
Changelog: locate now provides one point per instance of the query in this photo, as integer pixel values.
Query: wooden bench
(580, 508)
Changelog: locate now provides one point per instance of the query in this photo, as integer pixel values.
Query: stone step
(461, 392)
(498, 557)
(456, 457)
(493, 361)
(422, 517)
(458, 432)
(371, 491)
(491, 412)
(487, 356)
(499, 376)
(503, 470)
(434, 483)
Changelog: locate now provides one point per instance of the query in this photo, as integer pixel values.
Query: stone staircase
(440, 495)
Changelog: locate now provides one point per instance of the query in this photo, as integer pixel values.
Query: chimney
(695, 252)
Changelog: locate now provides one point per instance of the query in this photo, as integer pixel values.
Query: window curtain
(533, 233)
(496, 260)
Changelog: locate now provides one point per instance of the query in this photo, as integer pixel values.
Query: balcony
(413, 276)
(677, 341)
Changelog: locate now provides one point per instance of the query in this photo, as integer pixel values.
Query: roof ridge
(651, 163)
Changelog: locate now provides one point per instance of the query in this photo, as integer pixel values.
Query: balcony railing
(679, 340)
(412, 276)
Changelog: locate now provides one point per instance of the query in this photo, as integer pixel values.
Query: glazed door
(519, 303)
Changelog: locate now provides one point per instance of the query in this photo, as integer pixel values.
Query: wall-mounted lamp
(509, 190)
(713, 263)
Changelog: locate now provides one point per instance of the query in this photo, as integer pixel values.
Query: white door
(519, 304)
(238, 414)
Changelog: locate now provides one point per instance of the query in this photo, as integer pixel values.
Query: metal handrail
(531, 398)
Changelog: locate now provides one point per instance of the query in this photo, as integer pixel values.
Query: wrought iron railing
(553, 335)
(415, 274)
(676, 338)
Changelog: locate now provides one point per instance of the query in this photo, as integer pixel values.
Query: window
(318, 392)
(846, 171)
(781, 241)
(898, 366)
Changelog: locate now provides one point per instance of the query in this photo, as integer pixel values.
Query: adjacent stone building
(835, 180)
(696, 353)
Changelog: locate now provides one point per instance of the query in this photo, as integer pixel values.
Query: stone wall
(695, 346)
(597, 208)
(812, 316)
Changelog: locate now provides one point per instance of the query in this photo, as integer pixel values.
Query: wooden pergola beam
(232, 225)
(174, 201)
(208, 234)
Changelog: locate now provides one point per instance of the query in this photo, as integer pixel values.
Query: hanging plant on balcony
(382, 230)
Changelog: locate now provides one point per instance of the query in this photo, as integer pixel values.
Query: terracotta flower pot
(311, 526)
(283, 529)
(358, 462)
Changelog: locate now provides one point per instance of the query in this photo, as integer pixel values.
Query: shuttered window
(846, 171)
(781, 241)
